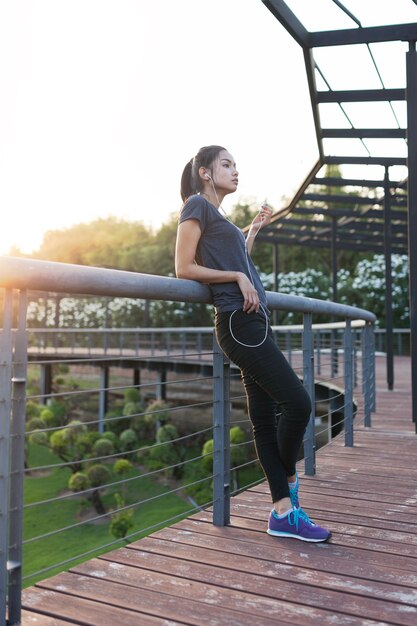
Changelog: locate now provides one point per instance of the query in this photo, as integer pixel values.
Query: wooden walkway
(195, 573)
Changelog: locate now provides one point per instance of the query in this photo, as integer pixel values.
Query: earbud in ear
(208, 177)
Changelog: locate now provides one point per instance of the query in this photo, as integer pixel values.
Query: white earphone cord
(241, 343)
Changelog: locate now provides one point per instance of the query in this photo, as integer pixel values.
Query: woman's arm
(260, 220)
(188, 236)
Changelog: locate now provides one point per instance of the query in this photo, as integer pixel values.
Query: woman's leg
(270, 384)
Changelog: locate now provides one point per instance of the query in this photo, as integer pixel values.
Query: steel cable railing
(184, 440)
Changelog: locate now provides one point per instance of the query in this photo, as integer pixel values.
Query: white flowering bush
(364, 288)
(86, 312)
(368, 288)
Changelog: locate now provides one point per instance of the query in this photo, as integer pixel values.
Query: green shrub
(132, 395)
(116, 426)
(160, 457)
(98, 474)
(33, 409)
(49, 418)
(237, 435)
(39, 438)
(82, 445)
(111, 436)
(103, 447)
(128, 440)
(79, 482)
(122, 467)
(121, 521)
(58, 442)
(35, 423)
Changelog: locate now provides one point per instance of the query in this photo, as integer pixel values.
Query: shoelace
(295, 515)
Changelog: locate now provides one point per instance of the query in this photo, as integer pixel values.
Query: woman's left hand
(262, 219)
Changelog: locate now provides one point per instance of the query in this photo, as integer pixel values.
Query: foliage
(128, 440)
(122, 467)
(121, 521)
(35, 423)
(238, 454)
(97, 475)
(49, 419)
(157, 414)
(364, 287)
(167, 452)
(79, 482)
(93, 477)
(38, 437)
(72, 443)
(111, 436)
(207, 454)
(103, 447)
(83, 538)
(369, 285)
(115, 422)
(33, 409)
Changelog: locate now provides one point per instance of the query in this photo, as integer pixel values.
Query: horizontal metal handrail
(17, 273)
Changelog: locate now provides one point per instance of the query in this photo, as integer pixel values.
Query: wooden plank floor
(195, 573)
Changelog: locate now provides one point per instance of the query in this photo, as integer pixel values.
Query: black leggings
(278, 405)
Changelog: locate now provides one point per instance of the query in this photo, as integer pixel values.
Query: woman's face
(225, 174)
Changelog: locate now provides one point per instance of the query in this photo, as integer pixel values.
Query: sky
(104, 101)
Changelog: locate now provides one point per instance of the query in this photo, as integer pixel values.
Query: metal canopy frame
(378, 215)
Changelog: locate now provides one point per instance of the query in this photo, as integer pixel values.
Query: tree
(94, 477)
(121, 521)
(167, 452)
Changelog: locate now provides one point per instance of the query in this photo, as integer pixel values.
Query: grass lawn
(91, 538)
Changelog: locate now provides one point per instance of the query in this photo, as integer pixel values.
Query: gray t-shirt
(222, 247)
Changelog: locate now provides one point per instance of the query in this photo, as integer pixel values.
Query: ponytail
(187, 187)
(190, 179)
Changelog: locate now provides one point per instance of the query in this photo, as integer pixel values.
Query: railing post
(17, 466)
(372, 357)
(366, 375)
(348, 385)
(308, 378)
(334, 356)
(6, 352)
(221, 437)
(103, 397)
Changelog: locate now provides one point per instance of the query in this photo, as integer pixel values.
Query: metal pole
(411, 64)
(275, 264)
(17, 470)
(348, 385)
(308, 379)
(221, 437)
(6, 354)
(366, 375)
(103, 398)
(372, 366)
(334, 258)
(388, 283)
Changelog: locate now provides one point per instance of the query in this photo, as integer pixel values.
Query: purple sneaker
(297, 525)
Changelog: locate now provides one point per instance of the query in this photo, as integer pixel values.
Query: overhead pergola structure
(375, 212)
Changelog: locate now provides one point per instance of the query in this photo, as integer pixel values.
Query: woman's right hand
(250, 295)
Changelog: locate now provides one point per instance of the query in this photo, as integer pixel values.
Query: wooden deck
(195, 573)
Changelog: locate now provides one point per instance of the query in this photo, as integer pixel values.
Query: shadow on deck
(195, 573)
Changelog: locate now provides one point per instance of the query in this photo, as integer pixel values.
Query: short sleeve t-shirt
(222, 247)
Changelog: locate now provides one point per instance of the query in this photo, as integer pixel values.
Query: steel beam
(411, 65)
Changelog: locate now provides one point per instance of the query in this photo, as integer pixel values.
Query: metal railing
(335, 362)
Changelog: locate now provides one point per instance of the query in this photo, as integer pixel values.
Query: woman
(212, 250)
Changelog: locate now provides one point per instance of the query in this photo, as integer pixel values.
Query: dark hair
(190, 179)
